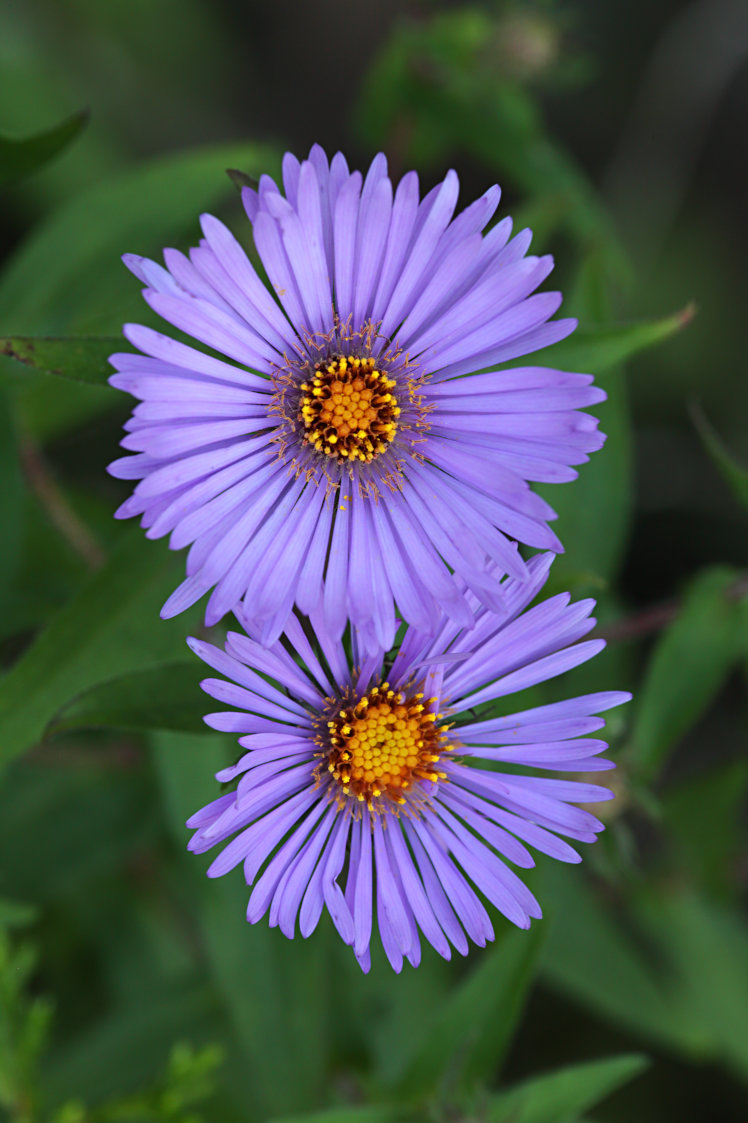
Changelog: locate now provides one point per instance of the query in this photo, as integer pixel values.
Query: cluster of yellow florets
(383, 743)
(348, 409)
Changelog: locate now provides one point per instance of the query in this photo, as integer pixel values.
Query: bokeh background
(130, 987)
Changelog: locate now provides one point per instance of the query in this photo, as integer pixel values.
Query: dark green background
(617, 131)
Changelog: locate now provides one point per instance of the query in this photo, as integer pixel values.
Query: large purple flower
(363, 441)
(359, 790)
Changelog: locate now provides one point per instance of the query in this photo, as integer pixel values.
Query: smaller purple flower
(370, 786)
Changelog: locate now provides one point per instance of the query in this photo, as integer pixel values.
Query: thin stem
(657, 617)
(54, 502)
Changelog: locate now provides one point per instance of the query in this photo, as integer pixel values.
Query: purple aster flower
(360, 441)
(359, 791)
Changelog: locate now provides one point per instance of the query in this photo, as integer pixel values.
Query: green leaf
(189, 1078)
(276, 995)
(19, 158)
(594, 349)
(437, 87)
(594, 511)
(703, 818)
(24, 1028)
(110, 627)
(80, 359)
(734, 473)
(129, 1047)
(69, 272)
(382, 1023)
(557, 1096)
(11, 502)
(687, 668)
(47, 573)
(592, 959)
(67, 278)
(81, 820)
(166, 697)
(186, 766)
(706, 946)
(468, 1040)
(276, 991)
(361, 1114)
(594, 515)
(241, 179)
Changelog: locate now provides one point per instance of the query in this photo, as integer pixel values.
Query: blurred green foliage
(19, 158)
(131, 987)
(24, 1031)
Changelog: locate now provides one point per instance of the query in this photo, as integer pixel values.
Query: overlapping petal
(422, 865)
(355, 265)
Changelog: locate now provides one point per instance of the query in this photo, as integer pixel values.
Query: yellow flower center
(348, 409)
(384, 743)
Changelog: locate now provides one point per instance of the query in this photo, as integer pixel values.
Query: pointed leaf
(733, 473)
(594, 512)
(467, 1042)
(19, 158)
(596, 348)
(594, 515)
(687, 668)
(242, 179)
(81, 359)
(165, 697)
(592, 959)
(276, 991)
(706, 947)
(130, 1046)
(703, 818)
(110, 627)
(69, 269)
(557, 1096)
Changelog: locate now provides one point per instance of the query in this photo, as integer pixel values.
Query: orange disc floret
(348, 409)
(382, 744)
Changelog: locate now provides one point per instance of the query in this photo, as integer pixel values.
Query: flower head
(369, 785)
(361, 441)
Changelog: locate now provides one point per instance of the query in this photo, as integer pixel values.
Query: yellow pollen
(348, 410)
(383, 742)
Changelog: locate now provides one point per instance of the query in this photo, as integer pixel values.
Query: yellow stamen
(347, 409)
(382, 743)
